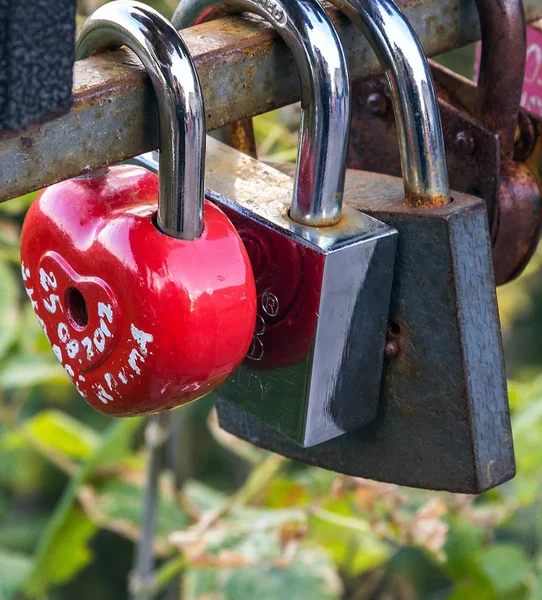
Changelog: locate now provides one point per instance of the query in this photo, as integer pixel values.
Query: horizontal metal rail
(245, 70)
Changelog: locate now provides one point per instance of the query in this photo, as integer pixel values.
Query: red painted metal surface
(287, 298)
(140, 321)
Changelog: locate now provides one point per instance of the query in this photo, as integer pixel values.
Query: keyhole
(76, 307)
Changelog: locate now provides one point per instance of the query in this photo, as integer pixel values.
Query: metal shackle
(180, 105)
(413, 96)
(423, 158)
(325, 97)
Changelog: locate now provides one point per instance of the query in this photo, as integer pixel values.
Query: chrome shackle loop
(414, 100)
(180, 104)
(325, 97)
(421, 143)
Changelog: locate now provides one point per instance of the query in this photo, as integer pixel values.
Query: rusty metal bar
(245, 70)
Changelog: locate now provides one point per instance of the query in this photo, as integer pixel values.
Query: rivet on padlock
(443, 420)
(145, 311)
(323, 274)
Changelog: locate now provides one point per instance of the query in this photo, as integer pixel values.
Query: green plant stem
(339, 520)
(260, 476)
(166, 574)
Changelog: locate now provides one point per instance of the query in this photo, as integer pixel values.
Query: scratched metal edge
(244, 68)
(495, 461)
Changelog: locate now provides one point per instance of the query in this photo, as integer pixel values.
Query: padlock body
(314, 366)
(140, 321)
(443, 419)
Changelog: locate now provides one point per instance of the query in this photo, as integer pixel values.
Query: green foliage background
(247, 524)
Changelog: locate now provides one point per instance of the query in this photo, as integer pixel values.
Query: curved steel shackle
(415, 104)
(423, 158)
(180, 104)
(325, 97)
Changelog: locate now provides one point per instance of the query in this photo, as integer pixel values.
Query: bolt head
(464, 142)
(377, 103)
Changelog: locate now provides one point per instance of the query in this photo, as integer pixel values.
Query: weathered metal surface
(502, 68)
(472, 151)
(480, 126)
(244, 68)
(474, 162)
(240, 135)
(443, 419)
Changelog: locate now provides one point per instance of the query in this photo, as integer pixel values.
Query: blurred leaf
(22, 471)
(411, 573)
(462, 547)
(475, 589)
(317, 481)
(536, 591)
(9, 234)
(69, 554)
(310, 575)
(62, 433)
(23, 371)
(527, 429)
(241, 448)
(277, 133)
(461, 60)
(114, 446)
(9, 307)
(13, 570)
(116, 505)
(284, 492)
(251, 552)
(166, 7)
(22, 533)
(18, 206)
(205, 499)
(4, 505)
(32, 339)
(351, 540)
(506, 566)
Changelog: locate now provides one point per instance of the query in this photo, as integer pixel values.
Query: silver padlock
(323, 273)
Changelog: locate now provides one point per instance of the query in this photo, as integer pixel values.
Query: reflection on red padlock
(146, 311)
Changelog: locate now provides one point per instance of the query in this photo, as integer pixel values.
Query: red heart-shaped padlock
(141, 321)
(148, 300)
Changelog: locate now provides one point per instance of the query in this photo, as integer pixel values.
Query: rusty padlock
(491, 154)
(323, 274)
(146, 297)
(443, 419)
